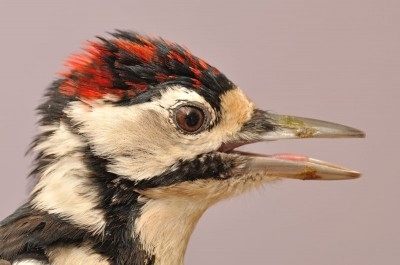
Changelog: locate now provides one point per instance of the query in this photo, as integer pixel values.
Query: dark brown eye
(189, 118)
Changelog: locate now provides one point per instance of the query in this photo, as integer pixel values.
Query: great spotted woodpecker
(136, 140)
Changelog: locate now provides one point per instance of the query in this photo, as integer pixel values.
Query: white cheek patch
(140, 140)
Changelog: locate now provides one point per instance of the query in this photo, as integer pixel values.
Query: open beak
(265, 126)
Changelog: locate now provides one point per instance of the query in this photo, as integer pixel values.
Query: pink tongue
(292, 157)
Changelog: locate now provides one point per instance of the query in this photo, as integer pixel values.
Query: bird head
(138, 138)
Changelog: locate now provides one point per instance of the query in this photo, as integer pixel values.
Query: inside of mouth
(310, 165)
(231, 147)
(280, 156)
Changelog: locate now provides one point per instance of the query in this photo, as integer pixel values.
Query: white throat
(165, 226)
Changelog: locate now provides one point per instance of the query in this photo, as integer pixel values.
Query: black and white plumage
(136, 140)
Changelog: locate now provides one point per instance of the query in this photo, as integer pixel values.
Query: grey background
(335, 60)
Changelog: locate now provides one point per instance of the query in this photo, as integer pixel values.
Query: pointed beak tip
(353, 133)
(352, 175)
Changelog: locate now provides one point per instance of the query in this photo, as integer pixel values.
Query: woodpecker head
(138, 137)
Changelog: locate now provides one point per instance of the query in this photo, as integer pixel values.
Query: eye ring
(190, 118)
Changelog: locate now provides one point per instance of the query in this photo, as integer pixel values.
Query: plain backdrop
(334, 60)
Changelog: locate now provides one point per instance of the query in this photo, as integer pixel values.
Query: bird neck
(165, 226)
(70, 187)
(64, 184)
